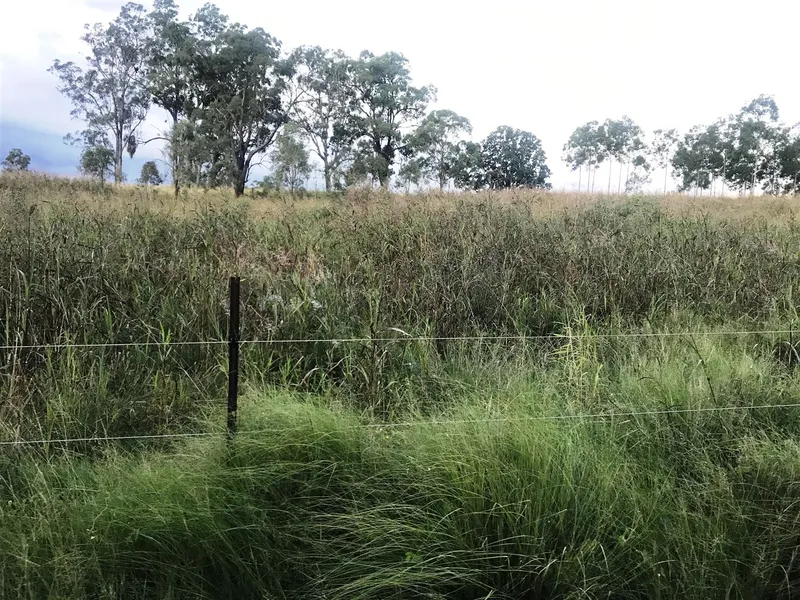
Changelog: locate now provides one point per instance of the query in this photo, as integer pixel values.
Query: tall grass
(575, 466)
(484, 498)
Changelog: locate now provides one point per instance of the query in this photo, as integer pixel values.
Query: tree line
(235, 98)
(745, 151)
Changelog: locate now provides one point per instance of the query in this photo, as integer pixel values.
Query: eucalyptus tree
(754, 135)
(183, 74)
(513, 158)
(322, 96)
(97, 162)
(109, 94)
(170, 77)
(789, 159)
(467, 172)
(585, 148)
(384, 105)
(436, 143)
(665, 142)
(246, 81)
(410, 173)
(16, 160)
(622, 142)
(700, 156)
(150, 175)
(290, 159)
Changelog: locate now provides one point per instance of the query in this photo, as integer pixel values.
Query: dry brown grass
(537, 203)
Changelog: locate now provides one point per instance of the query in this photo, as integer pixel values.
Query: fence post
(233, 355)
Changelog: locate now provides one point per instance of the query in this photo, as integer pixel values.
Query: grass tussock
(490, 497)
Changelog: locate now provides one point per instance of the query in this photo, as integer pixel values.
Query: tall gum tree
(384, 106)
(110, 93)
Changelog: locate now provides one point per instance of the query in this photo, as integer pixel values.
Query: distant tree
(365, 166)
(752, 144)
(201, 159)
(197, 80)
(246, 77)
(410, 173)
(586, 148)
(699, 157)
(745, 150)
(777, 175)
(150, 174)
(110, 95)
(639, 175)
(622, 140)
(97, 162)
(436, 143)
(291, 159)
(323, 96)
(665, 142)
(16, 160)
(383, 103)
(789, 160)
(171, 52)
(513, 158)
(467, 170)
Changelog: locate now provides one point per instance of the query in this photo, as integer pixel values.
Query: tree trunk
(238, 186)
(242, 167)
(666, 176)
(327, 172)
(627, 174)
(175, 168)
(609, 178)
(580, 174)
(619, 180)
(118, 158)
(724, 171)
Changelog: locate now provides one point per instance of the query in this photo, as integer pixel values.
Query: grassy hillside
(590, 462)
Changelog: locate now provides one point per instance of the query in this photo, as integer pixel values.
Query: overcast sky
(545, 67)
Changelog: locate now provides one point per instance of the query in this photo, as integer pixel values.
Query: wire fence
(400, 338)
(587, 417)
(233, 342)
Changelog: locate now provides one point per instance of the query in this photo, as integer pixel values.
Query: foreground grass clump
(498, 495)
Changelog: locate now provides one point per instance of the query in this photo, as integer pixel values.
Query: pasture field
(510, 396)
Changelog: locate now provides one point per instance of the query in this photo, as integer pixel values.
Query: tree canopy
(383, 102)
(513, 158)
(290, 159)
(150, 174)
(110, 93)
(323, 95)
(747, 150)
(229, 90)
(437, 144)
(16, 160)
(97, 162)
